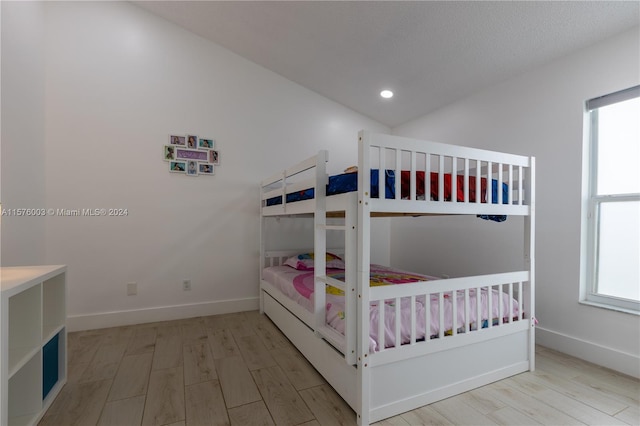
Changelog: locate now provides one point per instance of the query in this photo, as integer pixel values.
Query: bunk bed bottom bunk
(422, 371)
(402, 385)
(298, 285)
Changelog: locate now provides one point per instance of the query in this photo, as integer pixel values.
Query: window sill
(609, 307)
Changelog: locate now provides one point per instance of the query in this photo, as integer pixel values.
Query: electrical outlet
(132, 289)
(186, 285)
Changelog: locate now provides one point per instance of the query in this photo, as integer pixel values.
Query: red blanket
(406, 181)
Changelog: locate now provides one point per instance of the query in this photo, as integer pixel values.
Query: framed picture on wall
(177, 140)
(205, 144)
(192, 142)
(214, 157)
(169, 153)
(191, 154)
(178, 166)
(192, 168)
(205, 169)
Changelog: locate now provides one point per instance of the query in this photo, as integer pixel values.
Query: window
(613, 206)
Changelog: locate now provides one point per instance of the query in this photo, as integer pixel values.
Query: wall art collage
(191, 155)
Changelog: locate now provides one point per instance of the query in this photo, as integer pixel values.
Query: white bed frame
(398, 379)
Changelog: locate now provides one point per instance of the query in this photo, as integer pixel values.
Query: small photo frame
(205, 169)
(169, 153)
(214, 157)
(205, 144)
(177, 166)
(192, 142)
(177, 140)
(192, 168)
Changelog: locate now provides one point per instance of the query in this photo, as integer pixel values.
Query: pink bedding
(298, 285)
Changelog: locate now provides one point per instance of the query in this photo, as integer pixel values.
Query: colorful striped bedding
(348, 182)
(298, 286)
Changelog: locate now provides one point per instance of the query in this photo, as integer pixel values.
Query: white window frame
(593, 201)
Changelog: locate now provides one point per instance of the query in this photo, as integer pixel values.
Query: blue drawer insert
(50, 365)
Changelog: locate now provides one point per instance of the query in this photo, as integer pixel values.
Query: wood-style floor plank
(222, 343)
(479, 401)
(393, 421)
(105, 362)
(214, 322)
(511, 416)
(284, 403)
(254, 414)
(118, 335)
(193, 332)
(132, 377)
(205, 404)
(630, 415)
(299, 371)
(78, 404)
(254, 352)
(327, 406)
(123, 412)
(571, 404)
(238, 325)
(198, 364)
(143, 341)
(459, 413)
(238, 386)
(82, 347)
(425, 416)
(168, 350)
(239, 369)
(529, 406)
(575, 390)
(270, 335)
(165, 397)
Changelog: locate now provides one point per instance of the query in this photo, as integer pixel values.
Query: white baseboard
(607, 357)
(164, 313)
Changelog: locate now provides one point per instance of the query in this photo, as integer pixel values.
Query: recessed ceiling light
(386, 94)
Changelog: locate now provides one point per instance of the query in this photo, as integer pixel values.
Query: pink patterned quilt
(299, 286)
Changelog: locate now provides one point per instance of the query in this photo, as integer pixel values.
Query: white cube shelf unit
(33, 343)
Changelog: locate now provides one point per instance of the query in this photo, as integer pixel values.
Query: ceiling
(430, 53)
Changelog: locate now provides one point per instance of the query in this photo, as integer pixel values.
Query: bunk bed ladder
(348, 286)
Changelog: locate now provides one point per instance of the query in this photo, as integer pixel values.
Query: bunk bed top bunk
(446, 340)
(401, 172)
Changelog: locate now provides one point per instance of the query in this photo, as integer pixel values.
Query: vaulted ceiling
(429, 53)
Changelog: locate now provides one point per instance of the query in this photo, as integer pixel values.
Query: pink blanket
(299, 286)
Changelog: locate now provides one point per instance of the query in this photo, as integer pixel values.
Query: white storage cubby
(33, 341)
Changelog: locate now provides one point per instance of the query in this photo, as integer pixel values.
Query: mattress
(298, 285)
(348, 182)
(342, 183)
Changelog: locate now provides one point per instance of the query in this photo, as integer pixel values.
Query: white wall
(22, 179)
(541, 114)
(119, 81)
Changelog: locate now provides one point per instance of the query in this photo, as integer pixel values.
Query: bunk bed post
(351, 277)
(529, 254)
(320, 240)
(363, 266)
(262, 249)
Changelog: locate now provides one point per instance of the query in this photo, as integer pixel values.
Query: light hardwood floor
(239, 369)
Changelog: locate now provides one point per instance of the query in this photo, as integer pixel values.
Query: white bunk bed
(403, 376)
